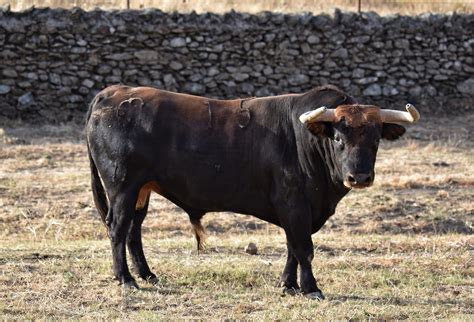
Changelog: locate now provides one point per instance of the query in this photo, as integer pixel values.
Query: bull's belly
(209, 188)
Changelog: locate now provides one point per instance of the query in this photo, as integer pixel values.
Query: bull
(287, 160)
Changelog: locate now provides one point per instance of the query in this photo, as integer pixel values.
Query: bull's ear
(321, 129)
(391, 131)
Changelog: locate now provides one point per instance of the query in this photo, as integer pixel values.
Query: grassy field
(401, 249)
(408, 7)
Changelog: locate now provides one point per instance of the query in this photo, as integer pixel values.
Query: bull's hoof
(130, 285)
(291, 290)
(318, 295)
(153, 280)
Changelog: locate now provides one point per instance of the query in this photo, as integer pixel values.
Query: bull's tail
(98, 192)
(199, 232)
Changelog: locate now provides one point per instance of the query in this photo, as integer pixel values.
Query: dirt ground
(400, 249)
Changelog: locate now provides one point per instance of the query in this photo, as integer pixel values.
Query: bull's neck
(317, 156)
(320, 161)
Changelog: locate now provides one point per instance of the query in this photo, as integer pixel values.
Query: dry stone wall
(52, 62)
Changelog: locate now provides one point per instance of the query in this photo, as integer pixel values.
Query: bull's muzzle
(358, 180)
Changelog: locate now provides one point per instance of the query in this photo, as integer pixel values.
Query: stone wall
(52, 62)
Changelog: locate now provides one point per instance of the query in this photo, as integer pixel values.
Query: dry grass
(408, 7)
(401, 249)
(396, 277)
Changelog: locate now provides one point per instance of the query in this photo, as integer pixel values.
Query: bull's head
(356, 131)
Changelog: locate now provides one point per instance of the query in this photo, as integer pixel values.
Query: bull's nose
(358, 180)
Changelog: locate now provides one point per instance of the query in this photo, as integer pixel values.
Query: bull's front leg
(295, 216)
(288, 277)
(303, 250)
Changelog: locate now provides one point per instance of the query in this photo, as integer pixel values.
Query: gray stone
(466, 87)
(83, 90)
(358, 73)
(415, 91)
(248, 88)
(88, 83)
(218, 48)
(178, 42)
(157, 84)
(25, 100)
(146, 55)
(340, 53)
(55, 79)
(212, 71)
(240, 76)
(432, 64)
(373, 90)
(378, 44)
(305, 48)
(263, 92)
(268, 71)
(25, 84)
(176, 65)
(32, 76)
(64, 91)
(66, 80)
(169, 80)
(78, 50)
(113, 79)
(131, 72)
(43, 77)
(269, 37)
(372, 66)
(194, 78)
(431, 91)
(4, 89)
(104, 69)
(412, 75)
(440, 77)
(76, 99)
(231, 69)
(313, 39)
(360, 39)
(194, 88)
(9, 72)
(329, 64)
(119, 56)
(144, 81)
(298, 79)
(402, 43)
(366, 80)
(389, 90)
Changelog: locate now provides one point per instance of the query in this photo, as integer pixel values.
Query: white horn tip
(310, 115)
(413, 112)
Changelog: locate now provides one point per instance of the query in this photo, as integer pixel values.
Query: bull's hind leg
(123, 203)
(195, 216)
(134, 241)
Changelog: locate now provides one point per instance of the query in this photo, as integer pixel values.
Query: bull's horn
(321, 114)
(392, 116)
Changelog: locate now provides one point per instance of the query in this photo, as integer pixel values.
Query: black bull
(249, 156)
